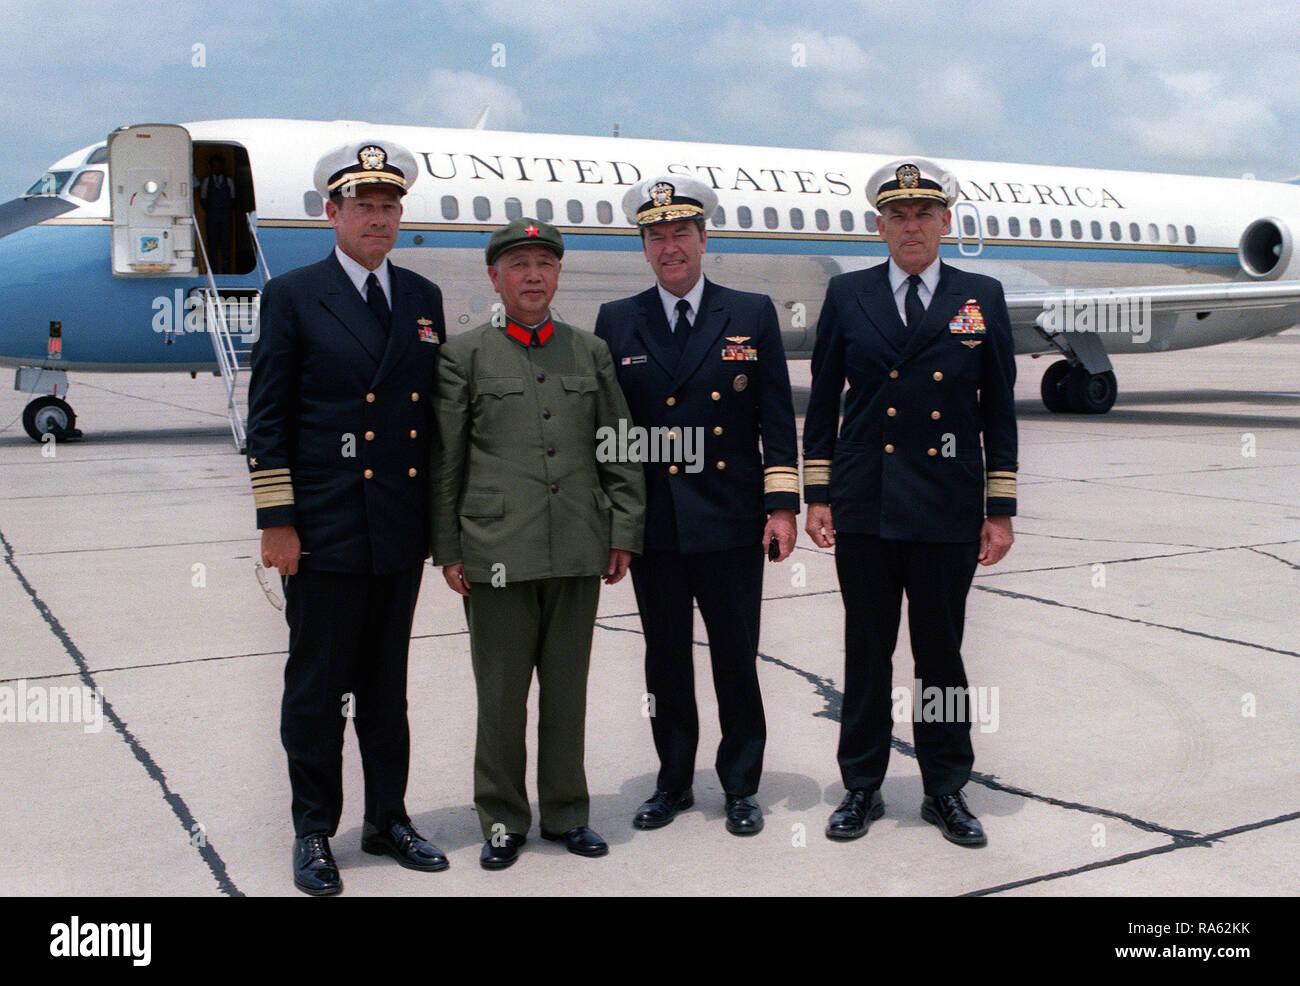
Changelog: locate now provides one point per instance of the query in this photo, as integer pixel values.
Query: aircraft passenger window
(992, 224)
(1076, 229)
(823, 220)
(744, 218)
(89, 183)
(1116, 233)
(1013, 226)
(796, 218)
(1055, 225)
(1095, 228)
(482, 208)
(846, 221)
(99, 155)
(1173, 233)
(1154, 231)
(514, 209)
(312, 203)
(450, 207)
(604, 212)
(1035, 227)
(870, 219)
(544, 210)
(769, 217)
(1191, 234)
(1135, 232)
(575, 211)
(719, 216)
(968, 224)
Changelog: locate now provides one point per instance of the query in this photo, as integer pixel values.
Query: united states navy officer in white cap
(339, 425)
(915, 487)
(705, 361)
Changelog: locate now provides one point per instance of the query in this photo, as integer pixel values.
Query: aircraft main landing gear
(50, 416)
(1073, 388)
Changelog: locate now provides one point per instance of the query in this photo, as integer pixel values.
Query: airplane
(105, 265)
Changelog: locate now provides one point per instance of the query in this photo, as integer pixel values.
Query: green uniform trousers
(546, 624)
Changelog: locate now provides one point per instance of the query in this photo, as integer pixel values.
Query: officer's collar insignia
(372, 157)
(737, 339)
(528, 337)
(908, 175)
(661, 193)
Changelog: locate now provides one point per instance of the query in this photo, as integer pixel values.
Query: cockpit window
(99, 155)
(50, 183)
(87, 186)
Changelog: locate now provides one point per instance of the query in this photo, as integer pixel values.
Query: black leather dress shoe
(949, 812)
(744, 816)
(662, 807)
(580, 841)
(498, 857)
(855, 814)
(404, 844)
(314, 869)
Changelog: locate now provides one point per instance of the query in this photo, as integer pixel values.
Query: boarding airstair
(231, 318)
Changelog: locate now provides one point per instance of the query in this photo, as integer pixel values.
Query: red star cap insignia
(532, 230)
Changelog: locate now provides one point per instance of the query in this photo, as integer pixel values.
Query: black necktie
(377, 302)
(682, 327)
(912, 303)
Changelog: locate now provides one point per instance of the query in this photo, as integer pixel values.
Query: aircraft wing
(1164, 299)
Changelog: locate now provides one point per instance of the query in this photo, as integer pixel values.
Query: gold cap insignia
(662, 193)
(372, 157)
(908, 175)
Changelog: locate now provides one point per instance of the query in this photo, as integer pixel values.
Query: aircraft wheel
(1055, 398)
(1091, 393)
(50, 416)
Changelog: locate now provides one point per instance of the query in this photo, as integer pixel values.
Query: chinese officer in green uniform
(916, 486)
(340, 420)
(527, 520)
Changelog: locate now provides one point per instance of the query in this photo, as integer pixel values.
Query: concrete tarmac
(1135, 659)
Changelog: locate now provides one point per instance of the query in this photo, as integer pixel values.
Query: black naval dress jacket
(341, 415)
(908, 463)
(731, 382)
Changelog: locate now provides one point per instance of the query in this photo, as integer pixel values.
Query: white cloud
(454, 98)
(874, 140)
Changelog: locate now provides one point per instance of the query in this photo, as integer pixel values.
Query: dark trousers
(728, 585)
(545, 624)
(348, 641)
(873, 575)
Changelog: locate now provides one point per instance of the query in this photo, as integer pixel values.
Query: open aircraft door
(152, 201)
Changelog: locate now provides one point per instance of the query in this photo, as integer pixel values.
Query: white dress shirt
(692, 298)
(898, 282)
(357, 274)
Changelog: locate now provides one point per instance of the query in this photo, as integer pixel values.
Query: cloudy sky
(1162, 85)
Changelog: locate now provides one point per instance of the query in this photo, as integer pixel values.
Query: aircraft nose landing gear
(50, 416)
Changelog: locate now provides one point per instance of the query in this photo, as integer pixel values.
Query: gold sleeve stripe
(262, 482)
(273, 498)
(261, 473)
(781, 484)
(1002, 486)
(818, 476)
(1002, 473)
(792, 470)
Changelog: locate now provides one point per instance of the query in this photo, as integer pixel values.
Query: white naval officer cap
(668, 198)
(365, 162)
(912, 178)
